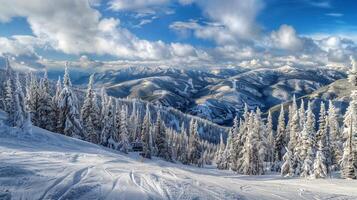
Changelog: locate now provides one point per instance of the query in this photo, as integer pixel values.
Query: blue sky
(248, 33)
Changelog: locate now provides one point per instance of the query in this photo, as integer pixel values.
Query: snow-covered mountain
(46, 165)
(217, 95)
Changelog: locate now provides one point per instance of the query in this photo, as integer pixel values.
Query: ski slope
(47, 165)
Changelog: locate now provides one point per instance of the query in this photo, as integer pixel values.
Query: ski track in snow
(52, 166)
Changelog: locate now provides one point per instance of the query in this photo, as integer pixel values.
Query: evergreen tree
(108, 131)
(234, 145)
(335, 136)
(287, 169)
(219, 157)
(68, 104)
(33, 99)
(308, 141)
(161, 140)
(194, 146)
(349, 158)
(146, 134)
(19, 117)
(270, 139)
(124, 144)
(47, 117)
(9, 101)
(323, 139)
(279, 149)
(90, 111)
(56, 107)
(320, 168)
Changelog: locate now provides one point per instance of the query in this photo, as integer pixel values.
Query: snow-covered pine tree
(69, 116)
(108, 133)
(279, 149)
(302, 114)
(335, 136)
(47, 118)
(20, 115)
(320, 168)
(160, 139)
(287, 168)
(349, 158)
(227, 154)
(33, 100)
(90, 111)
(124, 144)
(219, 157)
(103, 108)
(56, 107)
(9, 101)
(308, 141)
(234, 144)
(146, 134)
(194, 146)
(261, 139)
(251, 161)
(183, 150)
(270, 139)
(323, 139)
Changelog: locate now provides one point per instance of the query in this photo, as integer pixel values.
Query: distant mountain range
(216, 95)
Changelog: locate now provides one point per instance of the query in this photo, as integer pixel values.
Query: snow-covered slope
(47, 165)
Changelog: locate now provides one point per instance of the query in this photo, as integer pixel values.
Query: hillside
(216, 95)
(47, 165)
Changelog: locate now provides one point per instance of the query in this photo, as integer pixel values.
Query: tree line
(306, 146)
(99, 119)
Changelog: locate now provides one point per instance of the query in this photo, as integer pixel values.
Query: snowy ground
(51, 166)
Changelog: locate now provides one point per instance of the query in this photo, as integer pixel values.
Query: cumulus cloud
(77, 27)
(286, 38)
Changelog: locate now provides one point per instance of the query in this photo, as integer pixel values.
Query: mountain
(46, 165)
(217, 95)
(338, 91)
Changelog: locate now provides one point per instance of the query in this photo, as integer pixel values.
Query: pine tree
(219, 157)
(183, 151)
(323, 138)
(161, 140)
(56, 107)
(302, 114)
(349, 158)
(234, 145)
(335, 136)
(287, 169)
(47, 117)
(19, 105)
(270, 139)
(194, 146)
(9, 101)
(146, 134)
(251, 161)
(68, 104)
(124, 144)
(320, 168)
(107, 137)
(33, 99)
(90, 111)
(308, 141)
(279, 149)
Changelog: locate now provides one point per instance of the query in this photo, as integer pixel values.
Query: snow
(47, 165)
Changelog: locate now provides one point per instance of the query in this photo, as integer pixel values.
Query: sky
(179, 33)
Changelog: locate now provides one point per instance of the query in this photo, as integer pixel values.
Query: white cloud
(122, 5)
(286, 38)
(236, 18)
(334, 14)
